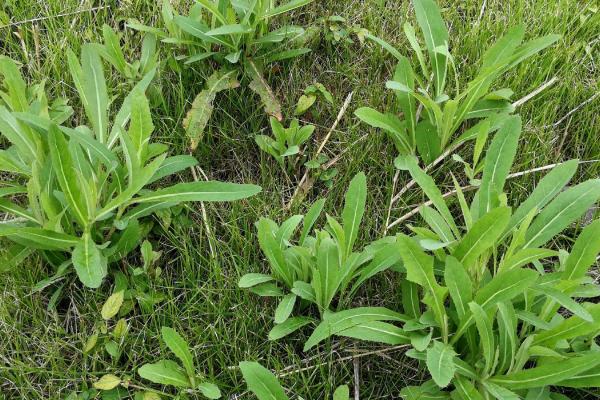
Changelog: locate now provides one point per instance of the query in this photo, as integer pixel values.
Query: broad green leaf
(435, 34)
(482, 235)
(112, 47)
(180, 348)
(440, 363)
(377, 331)
(391, 49)
(304, 290)
(262, 382)
(198, 115)
(89, 262)
(40, 238)
(584, 252)
(459, 285)
(94, 86)
(16, 134)
(503, 48)
(326, 278)
(524, 257)
(124, 114)
(309, 220)
(253, 279)
(16, 210)
(465, 390)
(570, 328)
(502, 287)
(354, 208)
(565, 301)
(405, 75)
(285, 308)
(233, 29)
(67, 176)
(389, 123)
(562, 211)
(585, 380)
(199, 191)
(342, 393)
(434, 194)
(14, 83)
(214, 10)
(409, 31)
(427, 142)
(209, 390)
(173, 165)
(499, 392)
(268, 289)
(260, 86)
(498, 161)
(486, 335)
(165, 372)
(343, 320)
(112, 305)
(549, 373)
(283, 8)
(419, 269)
(507, 335)
(532, 47)
(289, 326)
(198, 29)
(140, 125)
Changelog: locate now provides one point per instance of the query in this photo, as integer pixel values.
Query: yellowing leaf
(112, 305)
(107, 382)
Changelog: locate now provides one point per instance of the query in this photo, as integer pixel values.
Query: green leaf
(289, 326)
(285, 308)
(376, 331)
(66, 174)
(549, 373)
(199, 191)
(584, 252)
(261, 381)
(503, 287)
(165, 372)
(327, 275)
(354, 208)
(172, 165)
(465, 390)
(253, 279)
(40, 238)
(140, 126)
(405, 75)
(233, 29)
(389, 123)
(434, 194)
(16, 210)
(16, 134)
(209, 390)
(89, 262)
(342, 393)
(283, 8)
(180, 348)
(198, 115)
(486, 335)
(482, 235)
(498, 161)
(343, 320)
(113, 50)
(570, 328)
(309, 220)
(427, 141)
(419, 269)
(565, 301)
(459, 285)
(112, 305)
(440, 363)
(562, 211)
(435, 35)
(507, 335)
(14, 83)
(94, 91)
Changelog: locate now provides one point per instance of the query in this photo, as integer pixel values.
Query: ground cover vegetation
(399, 200)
